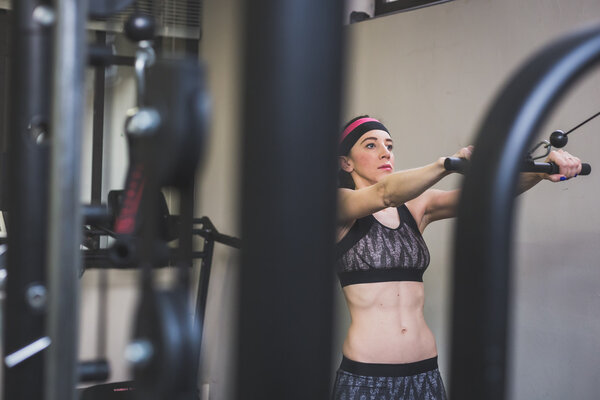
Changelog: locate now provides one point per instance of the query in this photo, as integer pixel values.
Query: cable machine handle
(461, 165)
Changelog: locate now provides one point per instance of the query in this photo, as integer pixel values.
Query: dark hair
(344, 178)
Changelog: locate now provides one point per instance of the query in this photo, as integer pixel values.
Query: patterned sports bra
(372, 252)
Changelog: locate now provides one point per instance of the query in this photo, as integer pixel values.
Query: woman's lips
(386, 166)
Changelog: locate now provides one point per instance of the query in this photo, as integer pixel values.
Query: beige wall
(219, 190)
(430, 74)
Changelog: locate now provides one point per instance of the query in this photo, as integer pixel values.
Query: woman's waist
(389, 334)
(388, 369)
(389, 342)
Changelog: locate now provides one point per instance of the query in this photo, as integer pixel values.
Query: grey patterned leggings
(415, 381)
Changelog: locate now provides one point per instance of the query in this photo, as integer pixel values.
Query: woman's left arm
(434, 205)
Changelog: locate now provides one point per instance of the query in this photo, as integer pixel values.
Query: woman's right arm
(391, 191)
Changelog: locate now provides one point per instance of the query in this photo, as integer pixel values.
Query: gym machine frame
(41, 323)
(307, 55)
(27, 200)
(482, 262)
(292, 96)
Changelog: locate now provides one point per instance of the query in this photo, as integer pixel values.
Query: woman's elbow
(386, 195)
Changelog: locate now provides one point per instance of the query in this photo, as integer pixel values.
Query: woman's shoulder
(355, 204)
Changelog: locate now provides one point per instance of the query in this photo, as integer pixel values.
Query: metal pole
(292, 86)
(65, 227)
(27, 197)
(482, 264)
(96, 194)
(98, 127)
(202, 296)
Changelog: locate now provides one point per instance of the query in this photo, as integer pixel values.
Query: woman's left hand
(569, 166)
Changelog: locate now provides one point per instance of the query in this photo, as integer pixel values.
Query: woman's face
(371, 158)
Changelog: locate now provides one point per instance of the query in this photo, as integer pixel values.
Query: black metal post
(98, 127)
(5, 45)
(202, 296)
(64, 212)
(292, 87)
(482, 263)
(96, 195)
(27, 197)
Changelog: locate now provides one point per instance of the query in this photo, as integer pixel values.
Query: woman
(390, 352)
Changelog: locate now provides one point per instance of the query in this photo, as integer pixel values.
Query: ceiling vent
(174, 18)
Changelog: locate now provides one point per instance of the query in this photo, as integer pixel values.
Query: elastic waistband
(408, 369)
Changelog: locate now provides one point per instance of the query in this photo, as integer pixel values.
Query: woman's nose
(385, 153)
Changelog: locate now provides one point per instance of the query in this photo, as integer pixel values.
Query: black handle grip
(456, 164)
(461, 164)
(551, 168)
(586, 169)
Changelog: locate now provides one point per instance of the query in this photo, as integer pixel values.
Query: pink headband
(353, 126)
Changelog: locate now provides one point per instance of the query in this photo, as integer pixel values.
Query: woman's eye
(370, 145)
(390, 147)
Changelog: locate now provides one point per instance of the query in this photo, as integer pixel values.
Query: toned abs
(388, 325)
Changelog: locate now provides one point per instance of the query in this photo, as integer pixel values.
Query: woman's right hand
(462, 154)
(465, 152)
